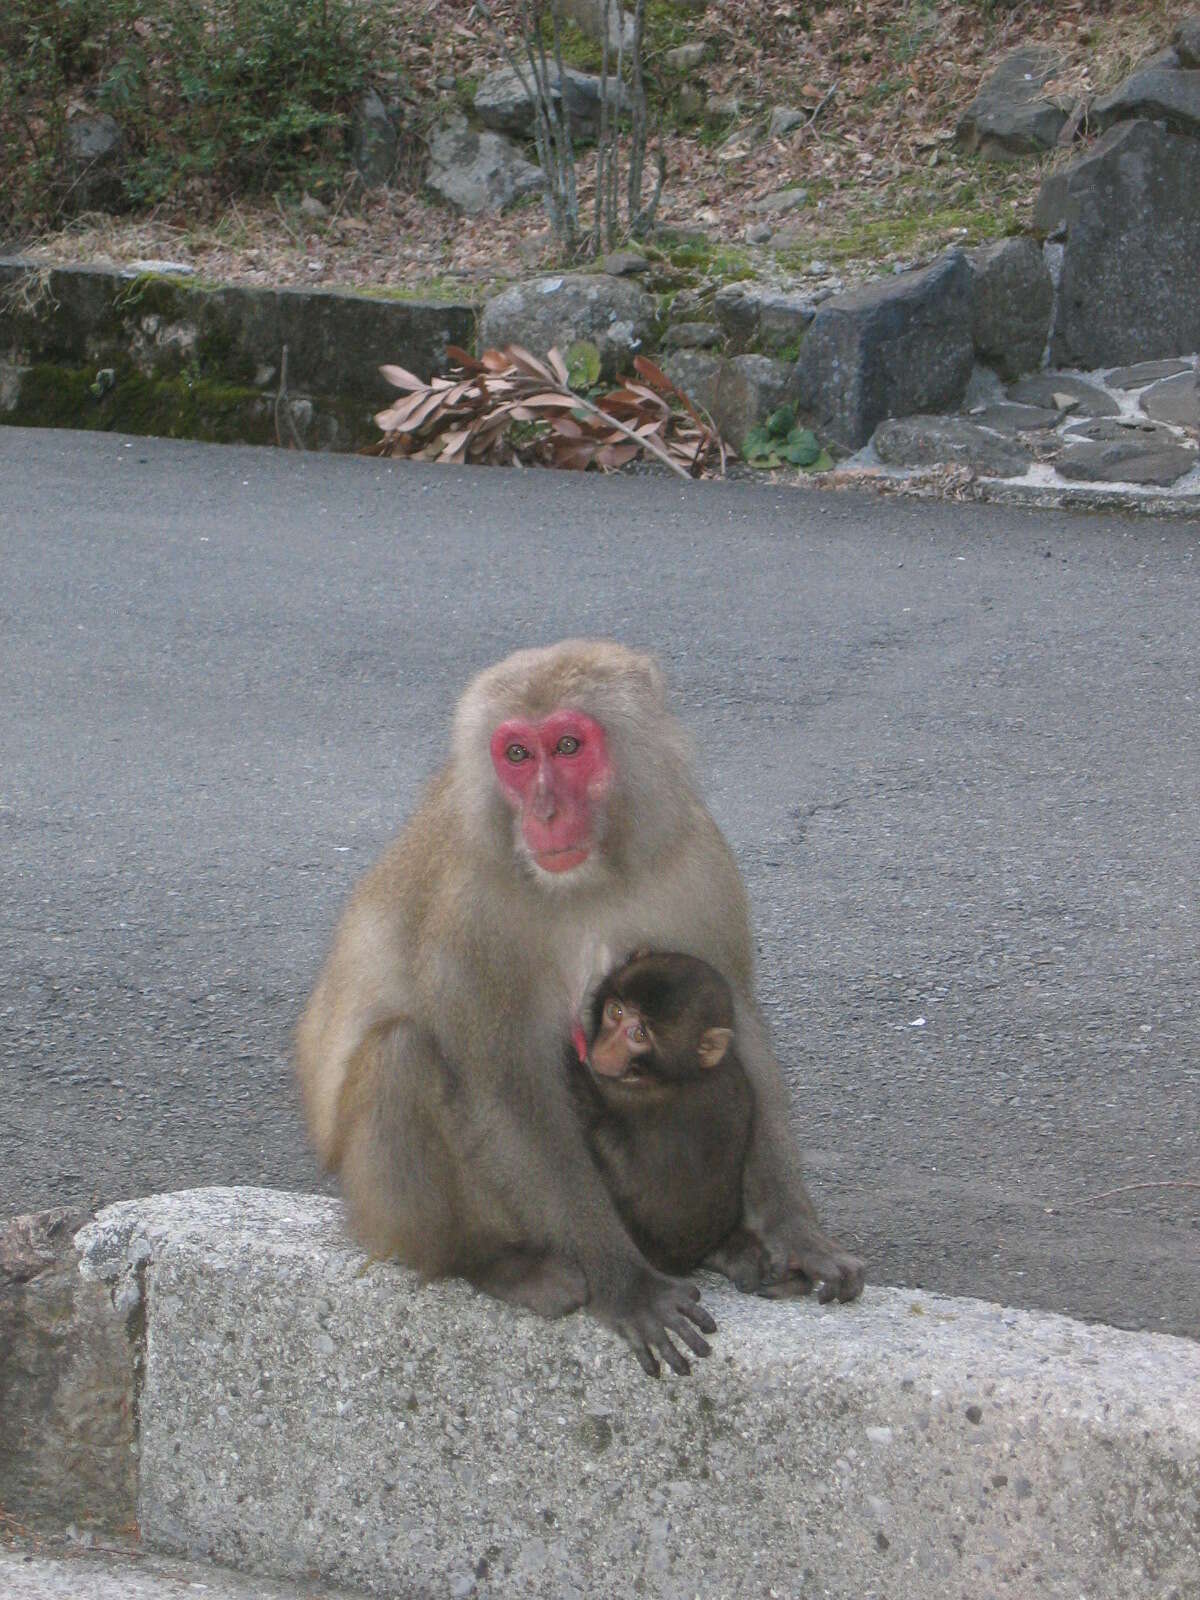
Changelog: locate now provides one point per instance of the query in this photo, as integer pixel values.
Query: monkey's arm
(538, 1155)
(794, 1251)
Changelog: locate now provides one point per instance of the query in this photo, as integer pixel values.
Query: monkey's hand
(647, 1309)
(800, 1257)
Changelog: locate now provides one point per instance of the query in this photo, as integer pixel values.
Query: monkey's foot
(840, 1275)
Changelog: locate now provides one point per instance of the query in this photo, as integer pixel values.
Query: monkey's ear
(714, 1042)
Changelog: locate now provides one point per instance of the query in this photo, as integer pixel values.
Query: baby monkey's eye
(638, 1035)
(613, 1011)
(567, 745)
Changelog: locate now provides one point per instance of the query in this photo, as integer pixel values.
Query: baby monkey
(667, 1110)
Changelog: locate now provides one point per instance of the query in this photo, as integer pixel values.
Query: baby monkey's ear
(714, 1042)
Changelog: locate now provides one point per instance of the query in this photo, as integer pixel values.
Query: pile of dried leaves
(509, 406)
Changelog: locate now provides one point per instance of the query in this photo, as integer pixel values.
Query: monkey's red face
(555, 774)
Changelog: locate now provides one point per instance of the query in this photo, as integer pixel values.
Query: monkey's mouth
(632, 1077)
(561, 860)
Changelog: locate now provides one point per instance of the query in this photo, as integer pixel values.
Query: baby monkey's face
(660, 1019)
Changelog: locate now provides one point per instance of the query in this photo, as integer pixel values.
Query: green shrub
(213, 96)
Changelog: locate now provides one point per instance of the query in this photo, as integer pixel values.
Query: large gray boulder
(1010, 117)
(478, 172)
(1129, 221)
(1012, 299)
(613, 313)
(888, 349)
(1168, 94)
(504, 100)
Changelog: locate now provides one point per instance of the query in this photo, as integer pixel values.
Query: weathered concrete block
(889, 349)
(68, 1359)
(1128, 216)
(299, 1417)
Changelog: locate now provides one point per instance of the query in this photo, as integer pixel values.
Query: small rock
(624, 263)
(1144, 372)
(446, 82)
(936, 441)
(698, 373)
(724, 105)
(1044, 389)
(782, 200)
(686, 57)
(175, 269)
(374, 142)
(1186, 40)
(1065, 402)
(690, 100)
(1174, 400)
(1006, 417)
(310, 206)
(1010, 117)
(759, 232)
(1106, 430)
(1133, 460)
(478, 172)
(691, 336)
(504, 104)
(614, 313)
(94, 136)
(784, 120)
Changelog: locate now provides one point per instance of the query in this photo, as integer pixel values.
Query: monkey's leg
(409, 1134)
(543, 1281)
(742, 1259)
(777, 1208)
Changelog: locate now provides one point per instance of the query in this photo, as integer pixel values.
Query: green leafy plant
(583, 365)
(781, 441)
(212, 96)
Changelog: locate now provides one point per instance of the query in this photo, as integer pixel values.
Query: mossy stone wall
(88, 347)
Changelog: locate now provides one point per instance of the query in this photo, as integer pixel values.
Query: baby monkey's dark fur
(671, 1133)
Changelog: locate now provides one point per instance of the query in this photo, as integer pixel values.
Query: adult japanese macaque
(667, 1109)
(564, 831)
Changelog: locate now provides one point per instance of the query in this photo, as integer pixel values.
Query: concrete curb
(80, 1574)
(300, 1417)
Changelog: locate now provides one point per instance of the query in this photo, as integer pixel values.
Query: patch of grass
(918, 214)
(701, 257)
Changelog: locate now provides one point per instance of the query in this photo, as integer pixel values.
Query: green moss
(174, 408)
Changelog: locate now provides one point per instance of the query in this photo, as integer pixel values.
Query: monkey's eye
(516, 753)
(638, 1035)
(567, 745)
(613, 1012)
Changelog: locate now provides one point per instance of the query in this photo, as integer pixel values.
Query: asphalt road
(955, 749)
